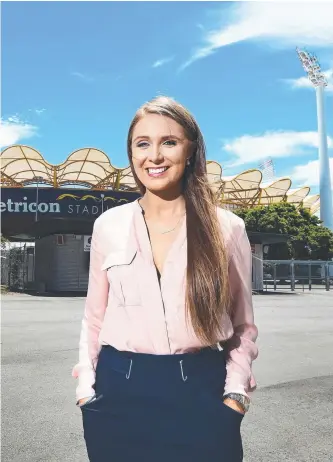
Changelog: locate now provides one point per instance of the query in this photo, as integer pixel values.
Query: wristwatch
(241, 399)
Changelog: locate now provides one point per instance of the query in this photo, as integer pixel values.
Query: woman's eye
(142, 144)
(170, 143)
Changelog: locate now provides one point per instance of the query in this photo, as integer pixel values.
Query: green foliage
(3, 289)
(3, 240)
(308, 239)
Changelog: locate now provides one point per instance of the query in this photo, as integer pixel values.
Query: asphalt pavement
(291, 418)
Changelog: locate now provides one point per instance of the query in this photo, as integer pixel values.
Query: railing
(298, 274)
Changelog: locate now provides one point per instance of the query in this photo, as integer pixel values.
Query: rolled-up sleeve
(95, 306)
(241, 348)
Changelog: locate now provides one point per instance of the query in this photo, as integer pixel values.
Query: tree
(3, 242)
(4, 267)
(308, 239)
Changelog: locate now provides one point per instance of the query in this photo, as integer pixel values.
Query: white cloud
(277, 23)
(162, 62)
(304, 82)
(83, 77)
(253, 148)
(308, 174)
(38, 111)
(13, 131)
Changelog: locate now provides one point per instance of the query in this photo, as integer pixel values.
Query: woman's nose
(155, 153)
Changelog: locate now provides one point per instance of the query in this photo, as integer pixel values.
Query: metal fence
(17, 268)
(298, 274)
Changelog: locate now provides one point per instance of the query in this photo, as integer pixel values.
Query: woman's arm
(95, 306)
(241, 348)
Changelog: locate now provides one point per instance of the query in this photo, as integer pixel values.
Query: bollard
(327, 278)
(292, 282)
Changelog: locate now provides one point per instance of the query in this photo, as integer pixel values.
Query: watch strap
(244, 401)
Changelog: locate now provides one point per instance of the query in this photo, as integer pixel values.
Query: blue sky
(73, 74)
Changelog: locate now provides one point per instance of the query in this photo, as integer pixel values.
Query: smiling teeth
(157, 170)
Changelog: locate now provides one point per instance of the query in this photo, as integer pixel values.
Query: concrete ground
(291, 418)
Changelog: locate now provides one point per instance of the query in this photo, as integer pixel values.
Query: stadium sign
(61, 202)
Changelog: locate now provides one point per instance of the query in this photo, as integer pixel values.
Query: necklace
(166, 231)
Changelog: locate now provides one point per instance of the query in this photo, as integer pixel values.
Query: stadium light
(312, 67)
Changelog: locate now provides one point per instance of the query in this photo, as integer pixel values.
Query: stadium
(54, 207)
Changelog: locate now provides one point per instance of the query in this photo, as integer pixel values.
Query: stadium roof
(23, 166)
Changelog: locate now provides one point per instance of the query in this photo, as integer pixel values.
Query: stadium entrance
(58, 223)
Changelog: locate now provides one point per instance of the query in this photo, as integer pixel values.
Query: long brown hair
(207, 290)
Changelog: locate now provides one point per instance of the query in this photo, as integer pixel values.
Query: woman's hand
(235, 405)
(83, 401)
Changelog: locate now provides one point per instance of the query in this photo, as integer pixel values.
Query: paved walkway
(291, 418)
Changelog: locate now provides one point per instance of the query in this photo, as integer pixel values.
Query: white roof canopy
(90, 167)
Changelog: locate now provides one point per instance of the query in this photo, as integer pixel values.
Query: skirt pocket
(233, 413)
(226, 429)
(93, 404)
(99, 420)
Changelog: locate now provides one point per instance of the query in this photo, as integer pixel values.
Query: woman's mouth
(156, 171)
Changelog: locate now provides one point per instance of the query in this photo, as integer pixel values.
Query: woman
(167, 338)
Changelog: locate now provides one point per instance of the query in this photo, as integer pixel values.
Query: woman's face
(160, 150)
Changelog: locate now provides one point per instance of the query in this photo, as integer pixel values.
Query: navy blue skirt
(156, 408)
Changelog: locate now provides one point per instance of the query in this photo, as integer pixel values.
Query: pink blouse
(128, 308)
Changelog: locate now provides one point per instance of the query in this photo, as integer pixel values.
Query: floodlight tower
(312, 68)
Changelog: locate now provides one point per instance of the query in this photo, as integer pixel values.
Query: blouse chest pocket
(123, 277)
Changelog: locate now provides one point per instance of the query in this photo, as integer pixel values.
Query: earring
(188, 162)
